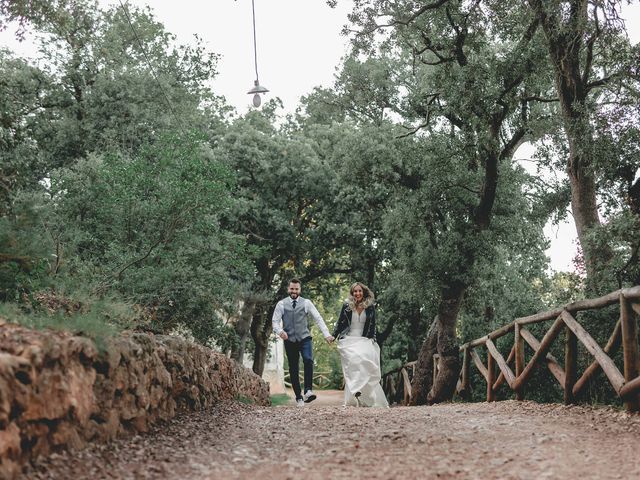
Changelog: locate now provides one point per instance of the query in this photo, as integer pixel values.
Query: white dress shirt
(309, 308)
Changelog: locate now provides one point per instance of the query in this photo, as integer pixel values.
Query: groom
(292, 312)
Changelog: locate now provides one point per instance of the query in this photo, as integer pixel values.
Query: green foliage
(97, 319)
(105, 187)
(244, 399)
(146, 226)
(125, 189)
(25, 250)
(280, 399)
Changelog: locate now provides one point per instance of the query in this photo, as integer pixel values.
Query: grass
(94, 323)
(279, 399)
(243, 399)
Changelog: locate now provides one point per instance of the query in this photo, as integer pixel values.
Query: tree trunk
(261, 329)
(565, 42)
(582, 180)
(449, 368)
(423, 373)
(597, 255)
(242, 328)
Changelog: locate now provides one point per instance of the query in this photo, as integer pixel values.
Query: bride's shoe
(357, 395)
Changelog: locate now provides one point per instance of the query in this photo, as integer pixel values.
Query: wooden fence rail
(320, 379)
(397, 383)
(498, 370)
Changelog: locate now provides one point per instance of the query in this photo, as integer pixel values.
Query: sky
(299, 46)
(298, 42)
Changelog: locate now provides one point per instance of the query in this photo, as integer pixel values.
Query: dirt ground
(502, 440)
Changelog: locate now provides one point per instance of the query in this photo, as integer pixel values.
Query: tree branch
(416, 14)
(513, 144)
(590, 43)
(324, 271)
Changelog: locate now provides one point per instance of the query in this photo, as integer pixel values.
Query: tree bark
(242, 328)
(260, 331)
(584, 206)
(447, 345)
(565, 41)
(423, 374)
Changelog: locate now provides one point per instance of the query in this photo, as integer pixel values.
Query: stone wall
(58, 391)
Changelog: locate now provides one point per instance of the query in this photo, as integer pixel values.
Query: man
(292, 312)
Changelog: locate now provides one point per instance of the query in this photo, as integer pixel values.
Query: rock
(57, 391)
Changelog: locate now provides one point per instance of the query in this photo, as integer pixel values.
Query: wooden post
(491, 377)
(570, 365)
(506, 372)
(545, 345)
(501, 378)
(478, 362)
(629, 326)
(608, 366)
(466, 360)
(552, 364)
(407, 387)
(610, 348)
(519, 346)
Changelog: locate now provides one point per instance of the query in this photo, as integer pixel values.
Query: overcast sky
(299, 45)
(298, 42)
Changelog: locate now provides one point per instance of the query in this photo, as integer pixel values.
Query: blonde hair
(368, 298)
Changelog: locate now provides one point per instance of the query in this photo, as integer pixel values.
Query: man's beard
(294, 295)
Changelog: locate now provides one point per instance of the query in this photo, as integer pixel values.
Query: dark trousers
(294, 350)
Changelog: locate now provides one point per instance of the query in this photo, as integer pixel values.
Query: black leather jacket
(344, 322)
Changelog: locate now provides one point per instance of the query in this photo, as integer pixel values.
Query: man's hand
(329, 339)
(283, 335)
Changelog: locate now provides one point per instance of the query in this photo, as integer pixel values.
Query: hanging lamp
(257, 88)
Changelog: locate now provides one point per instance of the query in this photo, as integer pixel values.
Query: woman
(359, 352)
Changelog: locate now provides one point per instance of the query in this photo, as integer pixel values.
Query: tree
(587, 53)
(30, 12)
(129, 195)
(470, 95)
(25, 91)
(283, 197)
(147, 226)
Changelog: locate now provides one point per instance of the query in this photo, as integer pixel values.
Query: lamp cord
(255, 48)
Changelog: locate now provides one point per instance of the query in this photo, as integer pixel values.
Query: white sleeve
(276, 320)
(311, 308)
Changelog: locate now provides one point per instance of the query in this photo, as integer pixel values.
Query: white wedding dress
(361, 366)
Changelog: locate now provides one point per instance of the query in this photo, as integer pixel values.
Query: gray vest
(295, 322)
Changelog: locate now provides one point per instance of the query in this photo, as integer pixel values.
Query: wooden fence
(498, 370)
(397, 383)
(321, 380)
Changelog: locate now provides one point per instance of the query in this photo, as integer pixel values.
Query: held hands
(283, 335)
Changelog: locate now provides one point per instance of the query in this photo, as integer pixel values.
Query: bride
(359, 352)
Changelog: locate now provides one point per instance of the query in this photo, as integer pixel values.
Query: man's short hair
(295, 280)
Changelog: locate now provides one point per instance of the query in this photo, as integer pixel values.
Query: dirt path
(506, 440)
(326, 398)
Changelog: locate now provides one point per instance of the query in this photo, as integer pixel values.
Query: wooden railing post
(627, 386)
(629, 326)
(570, 365)
(407, 387)
(610, 348)
(466, 360)
(519, 352)
(491, 377)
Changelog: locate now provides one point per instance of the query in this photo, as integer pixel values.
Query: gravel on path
(505, 440)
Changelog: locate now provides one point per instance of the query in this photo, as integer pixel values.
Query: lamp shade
(257, 88)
